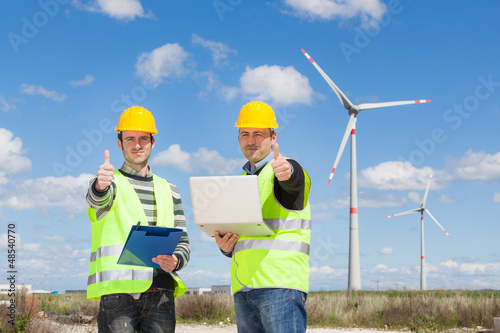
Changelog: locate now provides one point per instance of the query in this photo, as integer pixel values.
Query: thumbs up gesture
(281, 167)
(105, 174)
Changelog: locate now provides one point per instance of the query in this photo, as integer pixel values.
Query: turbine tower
(354, 280)
(423, 283)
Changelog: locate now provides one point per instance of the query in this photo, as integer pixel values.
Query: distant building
(20, 288)
(221, 290)
(215, 290)
(198, 291)
(83, 291)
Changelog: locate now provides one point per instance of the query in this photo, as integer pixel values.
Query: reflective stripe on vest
(288, 223)
(122, 274)
(271, 244)
(105, 251)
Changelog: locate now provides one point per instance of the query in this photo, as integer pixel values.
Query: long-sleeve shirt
(143, 185)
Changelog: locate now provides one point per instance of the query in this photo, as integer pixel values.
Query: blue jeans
(268, 310)
(152, 312)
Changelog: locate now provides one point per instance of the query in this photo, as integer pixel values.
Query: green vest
(279, 261)
(110, 233)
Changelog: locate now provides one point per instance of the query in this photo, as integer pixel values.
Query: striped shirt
(143, 186)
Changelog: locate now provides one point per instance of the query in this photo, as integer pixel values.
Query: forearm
(100, 201)
(183, 249)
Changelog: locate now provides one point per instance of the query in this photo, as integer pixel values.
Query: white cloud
(449, 264)
(496, 197)
(4, 239)
(447, 199)
(213, 84)
(55, 238)
(11, 159)
(386, 251)
(377, 200)
(88, 79)
(219, 51)
(323, 270)
(164, 62)
(279, 85)
(414, 197)
(366, 199)
(126, 10)
(396, 175)
(6, 106)
(65, 192)
(474, 166)
(338, 9)
(39, 90)
(203, 159)
(383, 268)
(480, 268)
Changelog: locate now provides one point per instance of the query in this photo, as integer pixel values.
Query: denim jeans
(152, 312)
(275, 310)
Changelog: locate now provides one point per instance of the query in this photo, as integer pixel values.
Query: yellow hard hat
(256, 115)
(136, 118)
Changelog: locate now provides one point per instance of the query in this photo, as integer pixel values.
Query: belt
(152, 290)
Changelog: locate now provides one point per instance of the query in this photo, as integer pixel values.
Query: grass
(431, 311)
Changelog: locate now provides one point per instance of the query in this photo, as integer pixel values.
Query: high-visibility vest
(110, 233)
(279, 261)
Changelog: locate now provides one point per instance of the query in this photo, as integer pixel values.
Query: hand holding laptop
(227, 241)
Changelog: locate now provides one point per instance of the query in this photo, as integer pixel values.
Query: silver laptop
(228, 204)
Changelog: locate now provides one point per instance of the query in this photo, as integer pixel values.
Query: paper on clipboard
(146, 242)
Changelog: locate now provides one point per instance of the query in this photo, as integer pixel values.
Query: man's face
(256, 143)
(136, 147)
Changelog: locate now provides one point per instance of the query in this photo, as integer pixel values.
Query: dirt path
(52, 326)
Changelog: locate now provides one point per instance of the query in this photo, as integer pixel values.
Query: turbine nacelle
(353, 110)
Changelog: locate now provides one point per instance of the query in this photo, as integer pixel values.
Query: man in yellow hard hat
(270, 274)
(134, 298)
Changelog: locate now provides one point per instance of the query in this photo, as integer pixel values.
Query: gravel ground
(46, 325)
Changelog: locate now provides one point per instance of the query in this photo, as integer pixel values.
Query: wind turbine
(423, 285)
(354, 280)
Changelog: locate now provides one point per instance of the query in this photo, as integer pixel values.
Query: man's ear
(119, 143)
(152, 142)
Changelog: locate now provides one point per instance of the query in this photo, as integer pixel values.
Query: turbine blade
(426, 191)
(416, 210)
(343, 99)
(366, 106)
(350, 126)
(432, 217)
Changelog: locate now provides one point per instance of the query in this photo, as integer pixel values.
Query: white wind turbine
(422, 209)
(354, 280)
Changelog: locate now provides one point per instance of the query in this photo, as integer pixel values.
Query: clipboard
(146, 242)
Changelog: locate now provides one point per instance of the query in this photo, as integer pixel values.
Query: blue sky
(69, 68)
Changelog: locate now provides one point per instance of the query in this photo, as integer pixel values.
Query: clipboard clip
(138, 225)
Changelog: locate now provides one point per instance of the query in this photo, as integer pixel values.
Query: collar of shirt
(253, 170)
(128, 169)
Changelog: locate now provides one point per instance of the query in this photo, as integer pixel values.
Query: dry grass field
(432, 311)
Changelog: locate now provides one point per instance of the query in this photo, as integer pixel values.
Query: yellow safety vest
(110, 233)
(279, 261)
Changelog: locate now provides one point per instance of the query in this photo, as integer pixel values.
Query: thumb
(276, 151)
(106, 157)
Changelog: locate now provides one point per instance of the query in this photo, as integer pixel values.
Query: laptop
(228, 204)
